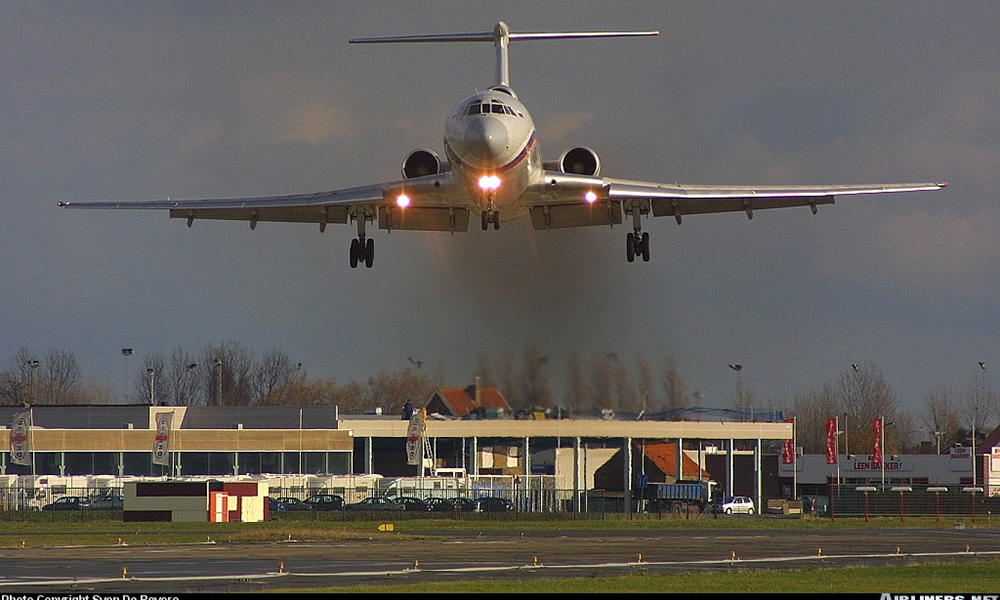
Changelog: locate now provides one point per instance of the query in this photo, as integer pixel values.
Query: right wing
(433, 206)
(557, 203)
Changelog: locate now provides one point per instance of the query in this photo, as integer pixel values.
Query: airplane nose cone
(486, 137)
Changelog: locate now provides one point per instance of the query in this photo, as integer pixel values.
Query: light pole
(937, 438)
(739, 386)
(152, 379)
(126, 352)
(975, 417)
(32, 366)
(218, 377)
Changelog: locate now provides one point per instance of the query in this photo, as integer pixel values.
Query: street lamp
(33, 364)
(218, 367)
(126, 352)
(152, 379)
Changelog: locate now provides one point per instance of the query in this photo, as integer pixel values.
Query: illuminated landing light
(489, 182)
(590, 197)
(403, 201)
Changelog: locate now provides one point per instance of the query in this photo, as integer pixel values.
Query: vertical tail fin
(501, 36)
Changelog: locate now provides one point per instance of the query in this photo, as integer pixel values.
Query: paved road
(452, 556)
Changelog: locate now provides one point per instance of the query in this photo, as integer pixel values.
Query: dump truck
(681, 497)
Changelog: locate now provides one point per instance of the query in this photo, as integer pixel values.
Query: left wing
(431, 206)
(559, 201)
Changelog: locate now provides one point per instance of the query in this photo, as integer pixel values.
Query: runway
(389, 558)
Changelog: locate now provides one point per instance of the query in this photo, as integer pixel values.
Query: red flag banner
(877, 430)
(788, 456)
(831, 441)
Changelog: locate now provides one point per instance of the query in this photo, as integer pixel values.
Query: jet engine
(580, 161)
(422, 162)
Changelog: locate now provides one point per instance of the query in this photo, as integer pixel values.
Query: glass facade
(183, 463)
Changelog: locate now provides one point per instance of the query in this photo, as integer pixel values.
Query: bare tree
(578, 397)
(182, 379)
(273, 374)
(647, 399)
(485, 372)
(941, 417)
(389, 391)
(980, 401)
(864, 397)
(60, 375)
(509, 378)
(225, 374)
(673, 386)
(151, 384)
(535, 389)
(626, 398)
(601, 383)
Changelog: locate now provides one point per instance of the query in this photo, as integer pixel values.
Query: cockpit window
(473, 109)
(497, 108)
(494, 108)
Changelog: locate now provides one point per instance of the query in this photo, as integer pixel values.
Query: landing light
(403, 201)
(590, 197)
(489, 182)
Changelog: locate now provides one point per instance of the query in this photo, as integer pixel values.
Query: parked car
(69, 503)
(324, 502)
(287, 503)
(413, 504)
(441, 504)
(375, 503)
(465, 504)
(107, 501)
(737, 504)
(494, 504)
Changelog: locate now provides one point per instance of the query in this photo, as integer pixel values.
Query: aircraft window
(473, 109)
(508, 110)
(498, 109)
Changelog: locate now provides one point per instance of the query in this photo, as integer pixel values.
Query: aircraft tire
(496, 220)
(354, 253)
(645, 247)
(369, 252)
(486, 221)
(630, 247)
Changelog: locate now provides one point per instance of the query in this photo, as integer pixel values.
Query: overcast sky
(144, 100)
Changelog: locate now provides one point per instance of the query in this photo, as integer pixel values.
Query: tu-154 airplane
(493, 166)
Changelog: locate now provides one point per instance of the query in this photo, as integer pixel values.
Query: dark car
(413, 504)
(441, 504)
(493, 504)
(375, 503)
(465, 504)
(324, 502)
(107, 501)
(69, 503)
(287, 503)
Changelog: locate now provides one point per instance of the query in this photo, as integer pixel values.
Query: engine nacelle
(422, 162)
(580, 161)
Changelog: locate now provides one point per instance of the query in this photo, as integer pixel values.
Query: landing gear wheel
(630, 247)
(486, 220)
(369, 252)
(496, 220)
(355, 246)
(645, 247)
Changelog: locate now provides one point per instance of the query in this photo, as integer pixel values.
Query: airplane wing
(558, 203)
(430, 208)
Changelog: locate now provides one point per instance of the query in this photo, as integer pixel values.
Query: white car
(737, 504)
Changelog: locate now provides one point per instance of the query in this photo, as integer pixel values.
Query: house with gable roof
(472, 402)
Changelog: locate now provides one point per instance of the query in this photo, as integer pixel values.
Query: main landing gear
(637, 243)
(362, 249)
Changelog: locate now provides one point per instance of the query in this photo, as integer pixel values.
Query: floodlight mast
(501, 36)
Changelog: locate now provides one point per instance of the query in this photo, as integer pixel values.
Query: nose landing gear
(491, 216)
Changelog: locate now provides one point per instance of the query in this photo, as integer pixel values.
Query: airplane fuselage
(490, 142)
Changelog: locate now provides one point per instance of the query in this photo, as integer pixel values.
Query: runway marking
(252, 577)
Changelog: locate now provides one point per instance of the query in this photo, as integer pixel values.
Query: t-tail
(501, 36)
